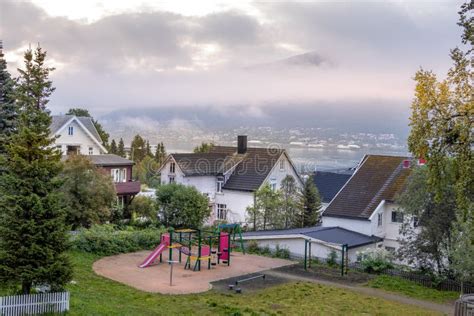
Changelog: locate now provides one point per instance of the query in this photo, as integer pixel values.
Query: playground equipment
(344, 256)
(238, 290)
(198, 245)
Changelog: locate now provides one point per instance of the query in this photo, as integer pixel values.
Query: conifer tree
(113, 147)
(121, 148)
(148, 149)
(33, 236)
(311, 203)
(8, 110)
(160, 153)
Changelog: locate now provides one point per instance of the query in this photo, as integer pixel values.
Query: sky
(114, 55)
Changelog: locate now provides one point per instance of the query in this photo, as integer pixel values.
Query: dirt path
(443, 308)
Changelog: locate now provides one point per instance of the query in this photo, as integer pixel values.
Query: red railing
(131, 187)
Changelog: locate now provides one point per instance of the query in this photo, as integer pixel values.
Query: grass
(411, 289)
(95, 295)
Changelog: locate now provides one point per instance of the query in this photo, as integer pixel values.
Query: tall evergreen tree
(33, 236)
(148, 149)
(113, 147)
(160, 153)
(121, 148)
(100, 129)
(311, 203)
(138, 148)
(8, 109)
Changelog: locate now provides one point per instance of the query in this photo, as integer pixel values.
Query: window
(390, 249)
(172, 167)
(416, 221)
(220, 184)
(379, 219)
(282, 164)
(70, 130)
(91, 151)
(222, 212)
(172, 179)
(273, 184)
(119, 175)
(397, 217)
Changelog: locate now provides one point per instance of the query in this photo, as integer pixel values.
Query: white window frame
(282, 164)
(91, 150)
(219, 184)
(221, 212)
(172, 179)
(70, 130)
(379, 219)
(273, 184)
(119, 174)
(400, 219)
(172, 167)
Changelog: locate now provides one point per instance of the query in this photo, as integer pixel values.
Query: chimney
(406, 164)
(241, 144)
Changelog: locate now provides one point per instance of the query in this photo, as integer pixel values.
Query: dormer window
(70, 130)
(172, 167)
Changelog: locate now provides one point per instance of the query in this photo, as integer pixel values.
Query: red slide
(152, 256)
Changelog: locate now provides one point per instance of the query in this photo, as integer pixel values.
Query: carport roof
(335, 235)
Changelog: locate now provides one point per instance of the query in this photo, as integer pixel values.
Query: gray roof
(329, 183)
(59, 120)
(109, 160)
(202, 164)
(251, 171)
(336, 235)
(254, 168)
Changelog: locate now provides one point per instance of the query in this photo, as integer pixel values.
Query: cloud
(346, 53)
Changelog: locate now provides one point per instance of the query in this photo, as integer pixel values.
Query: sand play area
(156, 278)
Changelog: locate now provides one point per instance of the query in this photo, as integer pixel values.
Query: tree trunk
(26, 287)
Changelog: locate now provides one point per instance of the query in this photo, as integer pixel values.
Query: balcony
(127, 188)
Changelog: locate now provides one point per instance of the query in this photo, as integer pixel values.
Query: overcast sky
(122, 54)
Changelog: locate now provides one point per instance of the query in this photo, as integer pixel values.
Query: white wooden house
(367, 202)
(229, 176)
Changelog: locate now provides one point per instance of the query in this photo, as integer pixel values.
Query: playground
(186, 261)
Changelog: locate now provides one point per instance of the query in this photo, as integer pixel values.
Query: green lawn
(411, 289)
(95, 295)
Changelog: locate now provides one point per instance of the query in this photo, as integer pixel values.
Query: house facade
(76, 135)
(229, 176)
(367, 202)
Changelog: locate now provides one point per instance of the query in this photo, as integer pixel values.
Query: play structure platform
(198, 245)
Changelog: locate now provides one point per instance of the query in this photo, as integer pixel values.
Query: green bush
(252, 247)
(109, 240)
(331, 260)
(375, 260)
(283, 253)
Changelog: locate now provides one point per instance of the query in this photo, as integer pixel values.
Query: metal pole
(171, 263)
(309, 262)
(199, 250)
(228, 249)
(305, 253)
(180, 242)
(171, 243)
(342, 260)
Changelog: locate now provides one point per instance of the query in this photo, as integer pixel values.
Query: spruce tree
(148, 149)
(160, 153)
(33, 236)
(113, 147)
(311, 203)
(121, 148)
(8, 110)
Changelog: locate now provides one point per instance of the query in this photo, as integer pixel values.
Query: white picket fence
(34, 304)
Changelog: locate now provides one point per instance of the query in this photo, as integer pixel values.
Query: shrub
(375, 260)
(331, 260)
(109, 240)
(252, 247)
(282, 252)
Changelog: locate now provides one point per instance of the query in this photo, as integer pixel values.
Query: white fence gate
(34, 304)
